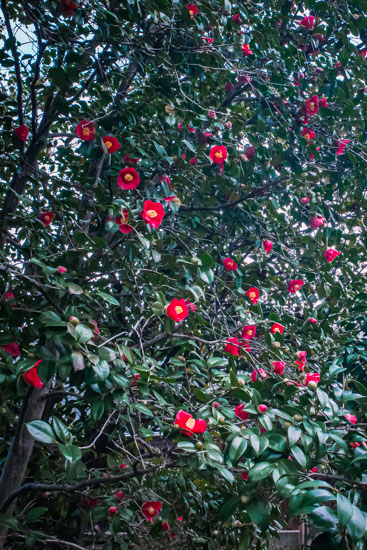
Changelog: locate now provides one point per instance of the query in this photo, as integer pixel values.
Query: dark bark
(20, 450)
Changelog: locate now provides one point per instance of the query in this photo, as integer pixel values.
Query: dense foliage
(183, 291)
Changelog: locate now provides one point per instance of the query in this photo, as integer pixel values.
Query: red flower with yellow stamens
(122, 220)
(311, 106)
(188, 425)
(46, 218)
(229, 264)
(254, 294)
(178, 310)
(295, 285)
(193, 9)
(151, 508)
(111, 143)
(128, 178)
(85, 130)
(248, 332)
(218, 154)
(277, 328)
(308, 134)
(246, 50)
(153, 213)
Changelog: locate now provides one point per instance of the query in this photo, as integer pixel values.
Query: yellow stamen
(219, 154)
(312, 106)
(108, 144)
(128, 177)
(190, 423)
(86, 132)
(277, 329)
(252, 295)
(152, 214)
(151, 510)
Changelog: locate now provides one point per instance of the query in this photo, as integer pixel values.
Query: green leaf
(74, 289)
(236, 449)
(107, 354)
(142, 408)
(293, 435)
(77, 359)
(51, 319)
(8, 521)
(108, 298)
(102, 370)
(344, 509)
(83, 333)
(260, 471)
(229, 508)
(72, 453)
(61, 431)
(41, 431)
(34, 514)
(187, 446)
(300, 456)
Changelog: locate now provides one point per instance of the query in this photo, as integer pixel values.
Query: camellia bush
(182, 273)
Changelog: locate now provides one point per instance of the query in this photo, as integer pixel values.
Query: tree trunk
(20, 450)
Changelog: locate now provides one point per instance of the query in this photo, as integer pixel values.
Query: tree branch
(14, 51)
(82, 485)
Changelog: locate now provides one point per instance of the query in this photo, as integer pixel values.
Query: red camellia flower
(8, 296)
(316, 222)
(312, 377)
(262, 408)
(128, 178)
(351, 418)
(123, 466)
(311, 106)
(119, 495)
(67, 7)
(314, 469)
(277, 328)
(122, 220)
(304, 200)
(216, 405)
(229, 264)
(218, 154)
(85, 130)
(322, 102)
(248, 332)
(240, 413)
(165, 526)
(302, 356)
(111, 143)
(151, 508)
(31, 376)
(129, 160)
(295, 285)
(46, 218)
(112, 510)
(232, 346)
(21, 132)
(250, 153)
(244, 476)
(330, 254)
(193, 161)
(341, 145)
(268, 246)
(262, 373)
(308, 22)
(279, 367)
(236, 18)
(188, 424)
(308, 134)
(177, 310)
(312, 320)
(12, 349)
(90, 502)
(153, 213)
(300, 364)
(210, 41)
(246, 50)
(253, 293)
